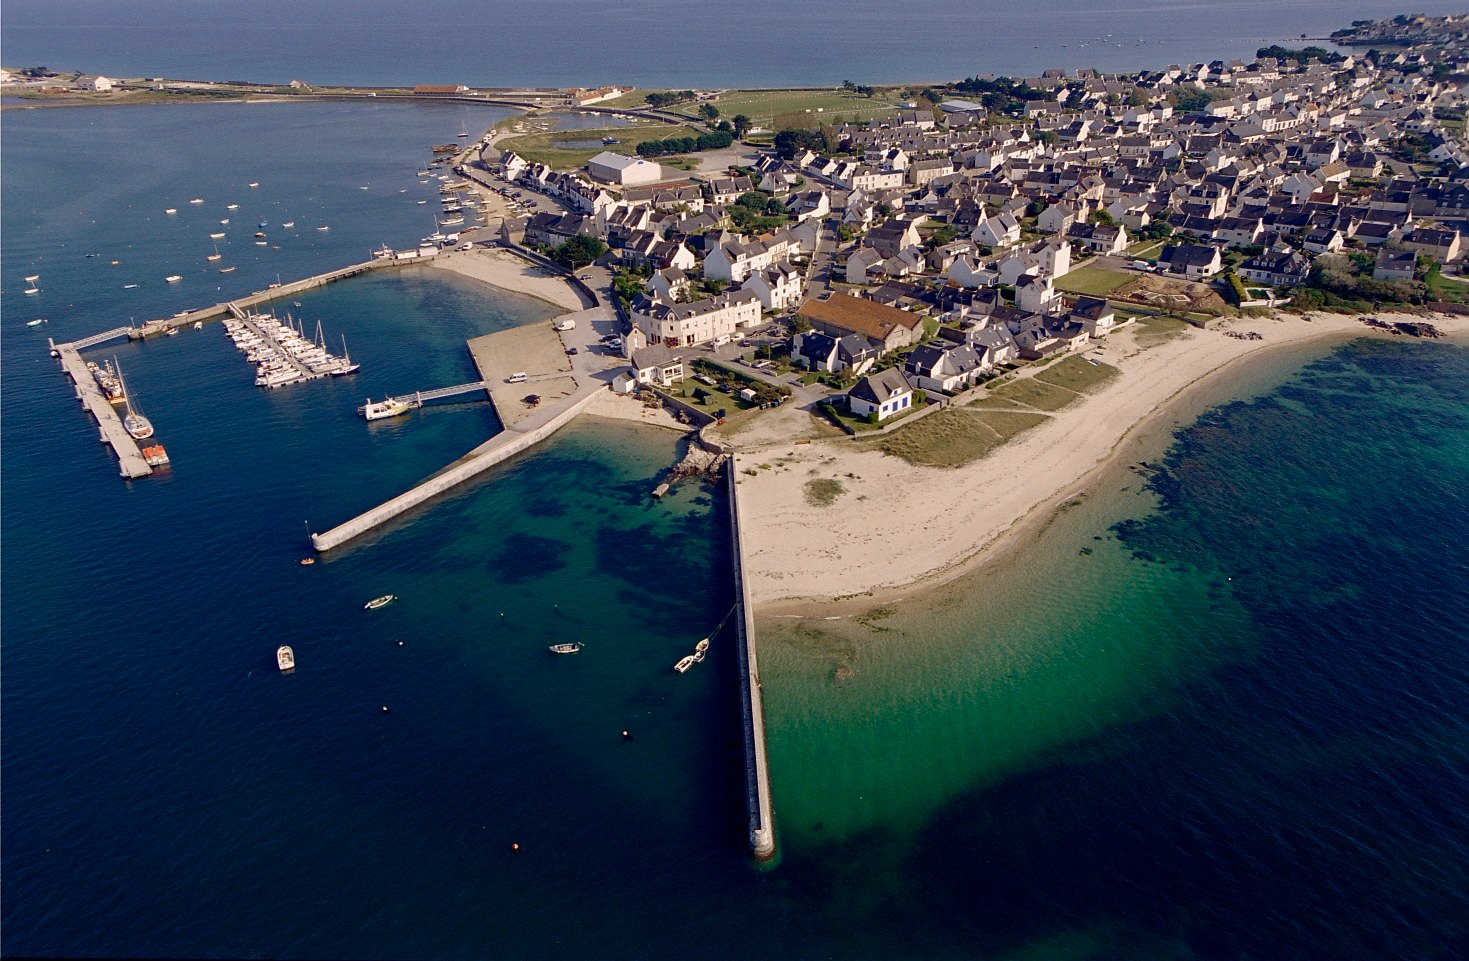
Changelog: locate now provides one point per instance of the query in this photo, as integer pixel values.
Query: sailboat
(140, 427)
(348, 368)
(216, 256)
(463, 128)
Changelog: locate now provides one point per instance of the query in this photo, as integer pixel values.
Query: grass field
(1037, 394)
(1078, 374)
(1153, 330)
(1096, 281)
(948, 438)
(542, 147)
(1009, 423)
(811, 106)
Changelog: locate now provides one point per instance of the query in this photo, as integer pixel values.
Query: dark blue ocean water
(1235, 729)
(654, 43)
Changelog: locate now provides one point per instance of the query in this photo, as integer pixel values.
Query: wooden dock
(129, 458)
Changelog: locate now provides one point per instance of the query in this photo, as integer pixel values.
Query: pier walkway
(129, 458)
(419, 397)
(757, 768)
(240, 305)
(115, 333)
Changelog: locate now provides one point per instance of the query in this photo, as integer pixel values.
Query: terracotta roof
(859, 316)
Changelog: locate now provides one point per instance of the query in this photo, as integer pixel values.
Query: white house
(100, 84)
(779, 286)
(616, 168)
(713, 320)
(886, 393)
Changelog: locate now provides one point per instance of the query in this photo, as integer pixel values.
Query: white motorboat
(572, 647)
(285, 658)
(684, 663)
(391, 407)
(378, 602)
(173, 278)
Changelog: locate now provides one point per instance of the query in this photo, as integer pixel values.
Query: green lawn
(810, 106)
(1145, 248)
(1078, 374)
(543, 147)
(1097, 281)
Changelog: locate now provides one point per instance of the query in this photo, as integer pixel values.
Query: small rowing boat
(378, 602)
(572, 647)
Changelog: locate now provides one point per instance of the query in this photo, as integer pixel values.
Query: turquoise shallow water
(1235, 727)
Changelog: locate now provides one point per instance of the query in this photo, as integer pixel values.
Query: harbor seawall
(757, 770)
(502, 446)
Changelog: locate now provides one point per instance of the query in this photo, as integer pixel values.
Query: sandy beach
(897, 524)
(502, 269)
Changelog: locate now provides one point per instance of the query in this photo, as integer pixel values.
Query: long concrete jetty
(223, 309)
(129, 458)
(757, 770)
(497, 449)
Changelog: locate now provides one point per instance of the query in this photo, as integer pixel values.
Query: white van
(517, 378)
(568, 324)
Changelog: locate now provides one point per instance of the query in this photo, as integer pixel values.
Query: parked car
(570, 350)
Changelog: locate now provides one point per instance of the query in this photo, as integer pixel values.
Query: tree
(1100, 216)
(741, 125)
(708, 111)
(579, 251)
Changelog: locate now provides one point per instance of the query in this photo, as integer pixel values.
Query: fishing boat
(684, 663)
(173, 278)
(227, 270)
(391, 407)
(570, 648)
(36, 323)
(285, 658)
(377, 602)
(348, 368)
(217, 235)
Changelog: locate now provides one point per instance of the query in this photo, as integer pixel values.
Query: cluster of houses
(941, 210)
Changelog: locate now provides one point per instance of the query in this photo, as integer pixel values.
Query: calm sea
(764, 43)
(1219, 716)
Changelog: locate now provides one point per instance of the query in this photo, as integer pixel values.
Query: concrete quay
(532, 430)
(757, 769)
(164, 324)
(129, 458)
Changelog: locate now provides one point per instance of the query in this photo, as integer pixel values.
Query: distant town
(881, 249)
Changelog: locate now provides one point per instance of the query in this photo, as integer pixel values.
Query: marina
(130, 459)
(281, 353)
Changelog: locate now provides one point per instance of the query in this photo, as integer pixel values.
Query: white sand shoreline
(505, 271)
(901, 528)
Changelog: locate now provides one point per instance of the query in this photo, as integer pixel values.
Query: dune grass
(1076, 373)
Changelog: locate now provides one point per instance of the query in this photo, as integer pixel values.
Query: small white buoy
(385, 709)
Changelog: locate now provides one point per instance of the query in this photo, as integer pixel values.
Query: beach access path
(897, 524)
